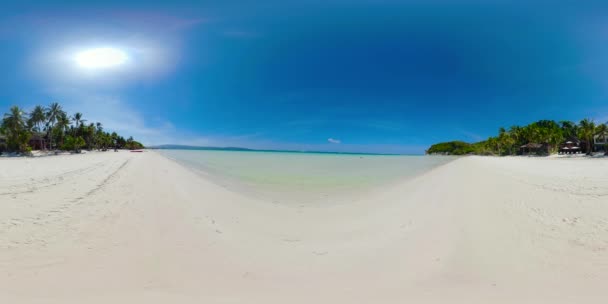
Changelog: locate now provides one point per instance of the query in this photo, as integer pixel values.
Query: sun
(101, 58)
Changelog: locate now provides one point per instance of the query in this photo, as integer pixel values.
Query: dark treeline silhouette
(51, 128)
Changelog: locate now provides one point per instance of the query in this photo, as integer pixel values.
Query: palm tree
(553, 134)
(15, 127)
(62, 125)
(98, 135)
(507, 139)
(60, 133)
(77, 119)
(114, 140)
(502, 134)
(14, 121)
(586, 131)
(63, 122)
(493, 145)
(88, 133)
(37, 119)
(52, 114)
(556, 136)
(517, 136)
(569, 129)
(602, 132)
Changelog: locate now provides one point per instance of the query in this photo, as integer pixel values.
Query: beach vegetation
(51, 128)
(542, 137)
(586, 132)
(16, 129)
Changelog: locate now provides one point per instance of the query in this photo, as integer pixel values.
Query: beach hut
(37, 141)
(572, 145)
(533, 148)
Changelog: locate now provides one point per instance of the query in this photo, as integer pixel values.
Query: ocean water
(303, 177)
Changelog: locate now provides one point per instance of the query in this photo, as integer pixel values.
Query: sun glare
(101, 58)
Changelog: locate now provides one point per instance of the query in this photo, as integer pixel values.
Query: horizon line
(244, 149)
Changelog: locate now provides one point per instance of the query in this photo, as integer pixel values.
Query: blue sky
(366, 76)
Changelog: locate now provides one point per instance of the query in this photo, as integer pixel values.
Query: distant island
(187, 147)
(52, 129)
(543, 137)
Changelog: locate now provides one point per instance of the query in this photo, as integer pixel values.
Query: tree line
(548, 133)
(51, 128)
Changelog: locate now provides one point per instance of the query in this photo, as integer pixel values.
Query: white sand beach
(140, 228)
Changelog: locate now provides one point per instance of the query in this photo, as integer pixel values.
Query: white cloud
(334, 141)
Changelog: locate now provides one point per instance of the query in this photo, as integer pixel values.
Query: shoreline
(287, 192)
(132, 227)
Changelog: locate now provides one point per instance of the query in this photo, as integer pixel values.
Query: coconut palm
(37, 120)
(586, 131)
(493, 145)
(569, 129)
(552, 134)
(78, 121)
(62, 126)
(53, 112)
(15, 127)
(114, 140)
(507, 139)
(96, 130)
(88, 134)
(14, 122)
(60, 133)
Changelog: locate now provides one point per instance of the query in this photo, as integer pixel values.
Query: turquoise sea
(302, 176)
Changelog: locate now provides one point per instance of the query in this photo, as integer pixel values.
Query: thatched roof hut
(533, 148)
(37, 141)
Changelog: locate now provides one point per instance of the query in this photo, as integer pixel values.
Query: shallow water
(303, 177)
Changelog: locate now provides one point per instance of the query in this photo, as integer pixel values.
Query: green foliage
(133, 145)
(547, 134)
(451, 148)
(586, 131)
(79, 143)
(16, 130)
(68, 143)
(54, 129)
(71, 143)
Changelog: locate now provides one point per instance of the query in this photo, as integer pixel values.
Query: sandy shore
(139, 228)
